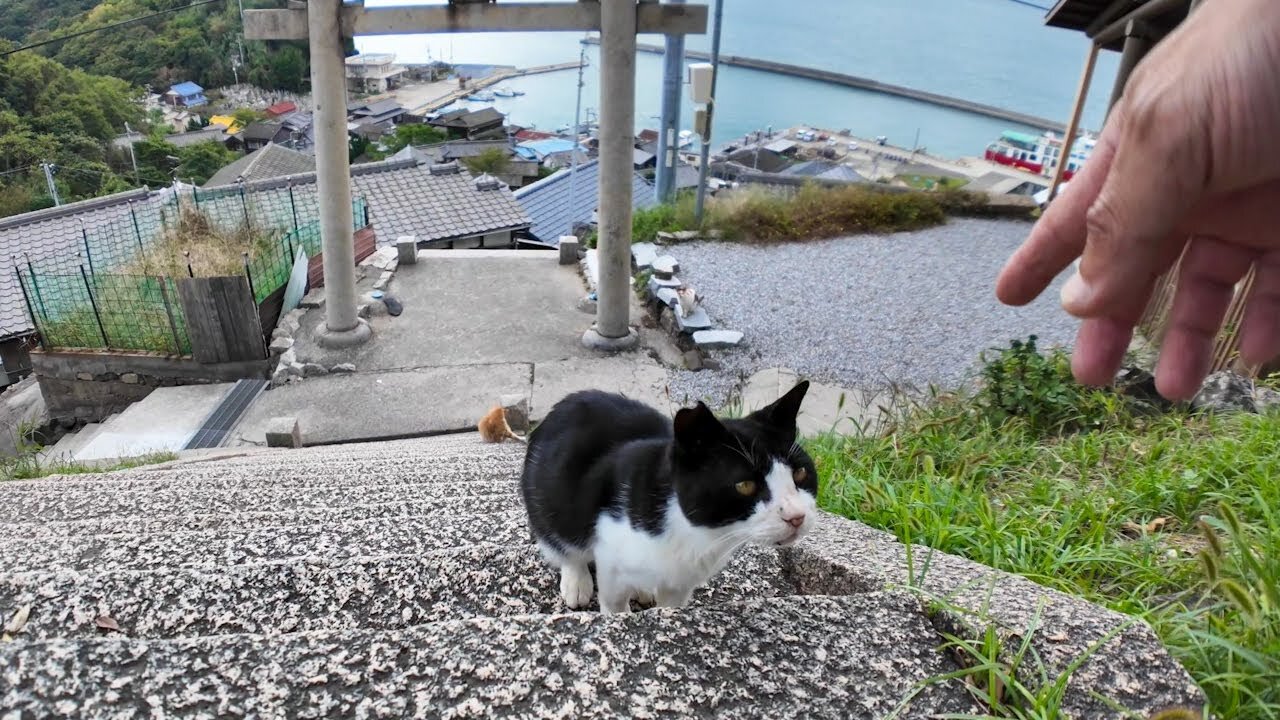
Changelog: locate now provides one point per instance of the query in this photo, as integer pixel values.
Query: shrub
(1021, 382)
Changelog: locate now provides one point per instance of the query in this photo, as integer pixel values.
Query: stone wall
(91, 386)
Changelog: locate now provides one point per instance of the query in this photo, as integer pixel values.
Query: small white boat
(482, 96)
(507, 92)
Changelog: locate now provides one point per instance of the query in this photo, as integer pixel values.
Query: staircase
(398, 580)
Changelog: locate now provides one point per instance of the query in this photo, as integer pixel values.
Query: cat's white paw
(576, 586)
(644, 597)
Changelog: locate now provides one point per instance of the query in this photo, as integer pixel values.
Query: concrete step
(219, 549)
(24, 512)
(162, 421)
(376, 593)
(815, 657)
(173, 520)
(303, 469)
(65, 449)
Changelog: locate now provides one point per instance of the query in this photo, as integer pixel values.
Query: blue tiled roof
(187, 88)
(549, 206)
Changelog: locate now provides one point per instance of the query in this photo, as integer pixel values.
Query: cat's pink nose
(795, 521)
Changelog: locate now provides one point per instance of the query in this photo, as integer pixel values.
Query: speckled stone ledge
(317, 473)
(405, 535)
(381, 593)
(1132, 670)
(810, 657)
(163, 518)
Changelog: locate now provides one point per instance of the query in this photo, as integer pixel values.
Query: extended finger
(1058, 236)
(1260, 328)
(1100, 347)
(1207, 280)
(1156, 177)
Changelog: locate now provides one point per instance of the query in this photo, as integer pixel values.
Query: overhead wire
(111, 26)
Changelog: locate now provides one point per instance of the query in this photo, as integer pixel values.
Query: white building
(373, 73)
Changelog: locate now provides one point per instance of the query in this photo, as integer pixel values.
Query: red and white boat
(1039, 154)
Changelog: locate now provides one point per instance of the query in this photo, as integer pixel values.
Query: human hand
(1189, 158)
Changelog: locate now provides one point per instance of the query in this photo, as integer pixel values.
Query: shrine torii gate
(325, 23)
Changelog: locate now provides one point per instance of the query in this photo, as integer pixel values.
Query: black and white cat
(660, 506)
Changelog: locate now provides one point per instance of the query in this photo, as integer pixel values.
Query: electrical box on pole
(702, 124)
(700, 75)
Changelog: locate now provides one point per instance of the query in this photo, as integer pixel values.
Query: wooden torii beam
(651, 18)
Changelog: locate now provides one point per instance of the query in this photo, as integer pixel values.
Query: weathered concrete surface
(306, 594)
(631, 374)
(164, 421)
(405, 534)
(399, 577)
(1129, 668)
(368, 406)
(826, 408)
(464, 309)
(813, 657)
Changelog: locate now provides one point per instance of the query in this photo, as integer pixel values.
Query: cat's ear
(697, 428)
(782, 412)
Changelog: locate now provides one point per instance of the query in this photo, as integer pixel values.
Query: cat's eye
(799, 474)
(746, 487)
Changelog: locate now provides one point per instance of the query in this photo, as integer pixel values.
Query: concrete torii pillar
(325, 22)
(342, 327)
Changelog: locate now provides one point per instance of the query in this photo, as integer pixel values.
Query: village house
(185, 94)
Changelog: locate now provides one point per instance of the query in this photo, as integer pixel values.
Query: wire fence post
(244, 205)
(137, 231)
(87, 253)
(35, 287)
(249, 275)
(293, 206)
(190, 271)
(195, 197)
(94, 304)
(35, 320)
(168, 308)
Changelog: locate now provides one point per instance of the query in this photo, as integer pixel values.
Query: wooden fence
(222, 319)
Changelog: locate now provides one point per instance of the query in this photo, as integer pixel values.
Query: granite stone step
(165, 518)
(310, 474)
(219, 549)
(375, 593)
(858, 656)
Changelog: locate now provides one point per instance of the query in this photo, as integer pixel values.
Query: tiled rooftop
(270, 161)
(552, 211)
(403, 198)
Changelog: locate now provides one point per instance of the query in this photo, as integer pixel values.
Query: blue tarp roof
(543, 148)
(187, 88)
(549, 205)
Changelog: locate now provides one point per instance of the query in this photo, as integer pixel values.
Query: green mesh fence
(119, 312)
(119, 289)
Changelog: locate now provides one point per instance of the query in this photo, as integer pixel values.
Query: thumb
(1156, 177)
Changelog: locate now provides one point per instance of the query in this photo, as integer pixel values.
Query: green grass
(933, 182)
(1174, 519)
(27, 465)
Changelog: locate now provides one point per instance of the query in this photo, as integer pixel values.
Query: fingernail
(1075, 293)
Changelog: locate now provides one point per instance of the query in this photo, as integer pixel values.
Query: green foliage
(1174, 519)
(1021, 382)
(493, 161)
(245, 116)
(200, 161)
(196, 44)
(413, 134)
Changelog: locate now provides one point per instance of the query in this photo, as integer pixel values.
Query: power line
(122, 23)
(18, 170)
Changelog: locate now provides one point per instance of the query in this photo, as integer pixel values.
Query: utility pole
(573, 156)
(612, 329)
(133, 158)
(343, 327)
(670, 124)
(711, 106)
(48, 179)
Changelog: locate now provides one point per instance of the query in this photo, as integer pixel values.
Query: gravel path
(868, 311)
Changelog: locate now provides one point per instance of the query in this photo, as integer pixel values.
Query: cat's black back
(592, 447)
